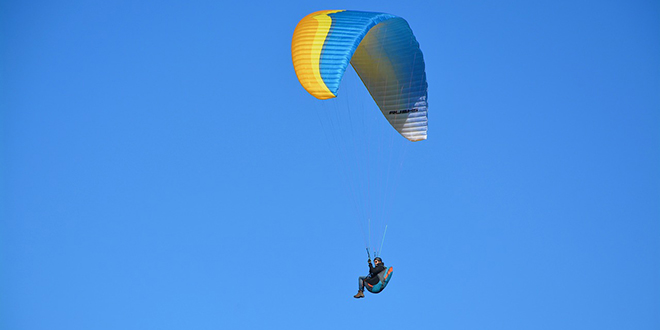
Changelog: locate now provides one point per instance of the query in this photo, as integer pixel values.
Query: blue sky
(162, 168)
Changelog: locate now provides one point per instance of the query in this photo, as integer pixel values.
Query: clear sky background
(162, 168)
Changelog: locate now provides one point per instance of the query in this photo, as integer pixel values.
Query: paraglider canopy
(383, 51)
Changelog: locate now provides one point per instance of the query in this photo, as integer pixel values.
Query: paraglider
(377, 279)
(386, 56)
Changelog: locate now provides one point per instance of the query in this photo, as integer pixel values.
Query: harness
(383, 278)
